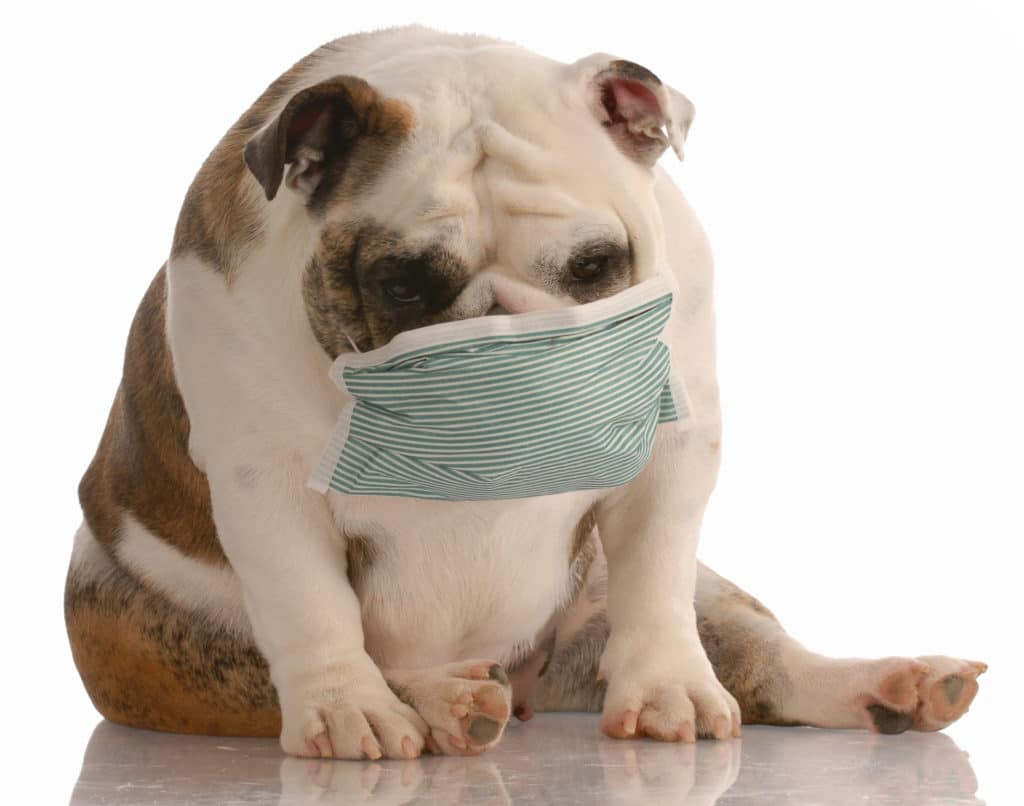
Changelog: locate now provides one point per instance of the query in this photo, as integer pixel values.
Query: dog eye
(589, 267)
(402, 290)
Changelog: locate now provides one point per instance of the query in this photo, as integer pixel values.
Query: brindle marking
(361, 552)
(583, 551)
(331, 293)
(142, 464)
(344, 293)
(569, 682)
(149, 664)
(742, 640)
(735, 629)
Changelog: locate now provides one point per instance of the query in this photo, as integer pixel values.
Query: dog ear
(313, 136)
(642, 115)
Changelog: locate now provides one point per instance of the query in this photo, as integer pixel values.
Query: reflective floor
(554, 758)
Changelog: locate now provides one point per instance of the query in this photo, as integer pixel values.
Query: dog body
(389, 181)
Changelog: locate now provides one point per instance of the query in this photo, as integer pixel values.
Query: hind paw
(466, 705)
(919, 693)
(946, 691)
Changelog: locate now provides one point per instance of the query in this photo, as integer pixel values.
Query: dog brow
(519, 198)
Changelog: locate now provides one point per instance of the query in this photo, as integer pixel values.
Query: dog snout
(513, 296)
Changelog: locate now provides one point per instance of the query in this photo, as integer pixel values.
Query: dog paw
(666, 695)
(348, 711)
(917, 693)
(466, 705)
(946, 691)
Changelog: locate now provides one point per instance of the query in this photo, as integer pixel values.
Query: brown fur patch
(218, 220)
(342, 286)
(569, 681)
(330, 291)
(633, 71)
(739, 635)
(220, 216)
(384, 125)
(742, 640)
(360, 552)
(142, 464)
(583, 550)
(148, 664)
(725, 592)
(747, 665)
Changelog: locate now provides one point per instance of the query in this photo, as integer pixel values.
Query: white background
(860, 169)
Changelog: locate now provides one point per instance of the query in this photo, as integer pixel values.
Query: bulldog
(388, 181)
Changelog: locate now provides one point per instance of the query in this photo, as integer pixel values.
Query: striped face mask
(508, 406)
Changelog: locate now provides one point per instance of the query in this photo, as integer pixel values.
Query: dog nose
(514, 296)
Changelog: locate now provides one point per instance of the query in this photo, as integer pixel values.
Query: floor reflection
(552, 759)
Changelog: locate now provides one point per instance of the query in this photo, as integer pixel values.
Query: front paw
(348, 711)
(666, 691)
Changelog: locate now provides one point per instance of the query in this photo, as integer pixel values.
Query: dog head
(448, 177)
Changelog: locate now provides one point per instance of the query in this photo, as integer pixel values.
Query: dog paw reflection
(551, 758)
(693, 774)
(392, 783)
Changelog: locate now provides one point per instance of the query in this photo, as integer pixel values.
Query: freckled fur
(148, 664)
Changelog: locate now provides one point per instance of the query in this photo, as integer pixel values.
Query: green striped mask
(508, 406)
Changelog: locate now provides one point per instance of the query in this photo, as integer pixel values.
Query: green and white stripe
(508, 406)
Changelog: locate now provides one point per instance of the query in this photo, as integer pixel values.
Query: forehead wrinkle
(525, 159)
(519, 198)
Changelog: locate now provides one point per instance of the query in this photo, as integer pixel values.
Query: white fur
(88, 558)
(506, 161)
(212, 591)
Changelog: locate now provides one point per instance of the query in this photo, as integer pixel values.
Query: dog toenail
(483, 730)
(497, 673)
(408, 747)
(953, 685)
(721, 727)
(369, 748)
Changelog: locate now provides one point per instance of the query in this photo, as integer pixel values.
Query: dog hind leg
(774, 678)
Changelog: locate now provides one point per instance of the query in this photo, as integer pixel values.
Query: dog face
(451, 187)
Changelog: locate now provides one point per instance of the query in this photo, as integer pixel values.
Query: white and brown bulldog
(387, 181)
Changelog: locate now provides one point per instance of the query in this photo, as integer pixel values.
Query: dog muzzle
(508, 406)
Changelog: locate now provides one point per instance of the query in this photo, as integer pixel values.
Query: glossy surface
(554, 758)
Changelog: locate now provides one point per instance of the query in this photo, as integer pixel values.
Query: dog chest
(439, 581)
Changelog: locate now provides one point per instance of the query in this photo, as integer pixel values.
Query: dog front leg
(660, 682)
(282, 542)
